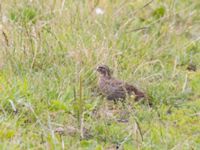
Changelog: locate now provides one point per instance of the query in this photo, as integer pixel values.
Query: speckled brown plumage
(114, 89)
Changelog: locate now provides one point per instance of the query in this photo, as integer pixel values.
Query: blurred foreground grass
(49, 50)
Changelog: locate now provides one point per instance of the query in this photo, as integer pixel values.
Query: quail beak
(97, 69)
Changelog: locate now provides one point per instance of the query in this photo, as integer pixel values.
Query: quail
(114, 89)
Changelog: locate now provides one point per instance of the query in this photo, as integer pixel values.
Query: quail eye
(101, 69)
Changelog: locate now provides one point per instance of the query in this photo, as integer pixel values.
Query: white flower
(4, 19)
(99, 11)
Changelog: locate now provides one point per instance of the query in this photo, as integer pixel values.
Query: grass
(49, 51)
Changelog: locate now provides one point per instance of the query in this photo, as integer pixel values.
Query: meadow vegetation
(48, 54)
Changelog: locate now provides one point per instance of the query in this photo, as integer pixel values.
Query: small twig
(148, 3)
(185, 83)
(6, 38)
(139, 129)
(13, 106)
(74, 92)
(63, 142)
(62, 6)
(137, 29)
(80, 109)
